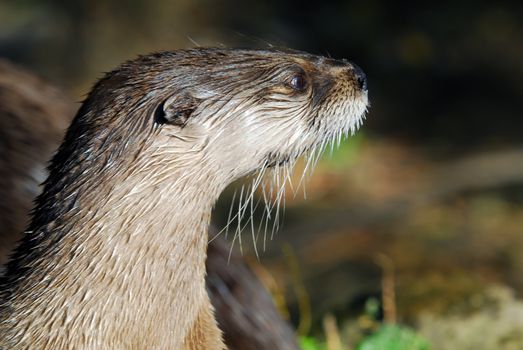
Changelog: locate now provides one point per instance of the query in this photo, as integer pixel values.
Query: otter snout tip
(360, 76)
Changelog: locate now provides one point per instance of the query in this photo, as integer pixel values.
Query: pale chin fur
(272, 181)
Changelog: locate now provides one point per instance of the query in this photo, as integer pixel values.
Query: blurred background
(417, 221)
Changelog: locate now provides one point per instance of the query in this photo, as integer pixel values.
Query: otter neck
(130, 268)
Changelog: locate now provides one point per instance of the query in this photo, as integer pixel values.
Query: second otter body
(115, 254)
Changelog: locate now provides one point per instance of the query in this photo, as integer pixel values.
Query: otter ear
(175, 110)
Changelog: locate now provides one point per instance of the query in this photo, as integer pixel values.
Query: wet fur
(115, 254)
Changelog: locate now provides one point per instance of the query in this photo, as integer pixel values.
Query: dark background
(445, 73)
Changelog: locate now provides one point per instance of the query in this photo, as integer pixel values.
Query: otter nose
(361, 77)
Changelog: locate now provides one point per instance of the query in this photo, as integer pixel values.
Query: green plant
(310, 343)
(392, 337)
(345, 155)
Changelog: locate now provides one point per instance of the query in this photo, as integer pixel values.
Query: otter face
(228, 112)
(259, 109)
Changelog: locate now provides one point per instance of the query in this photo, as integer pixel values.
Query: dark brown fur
(33, 119)
(244, 311)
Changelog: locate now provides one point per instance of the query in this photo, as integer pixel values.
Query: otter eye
(299, 82)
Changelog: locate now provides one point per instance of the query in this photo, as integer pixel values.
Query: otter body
(114, 256)
(33, 118)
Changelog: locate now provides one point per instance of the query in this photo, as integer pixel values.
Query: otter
(34, 115)
(114, 256)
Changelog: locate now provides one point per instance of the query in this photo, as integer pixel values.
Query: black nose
(361, 77)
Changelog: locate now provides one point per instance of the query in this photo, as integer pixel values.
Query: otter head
(253, 109)
(223, 113)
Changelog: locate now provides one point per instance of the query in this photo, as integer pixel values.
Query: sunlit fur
(114, 256)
